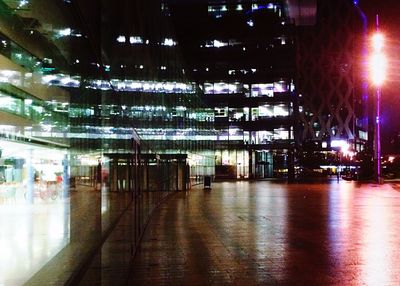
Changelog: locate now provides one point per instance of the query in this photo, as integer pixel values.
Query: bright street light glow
(378, 42)
(377, 61)
(378, 69)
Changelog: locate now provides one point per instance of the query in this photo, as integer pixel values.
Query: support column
(290, 166)
(251, 170)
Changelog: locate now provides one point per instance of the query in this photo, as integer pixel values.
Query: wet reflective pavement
(266, 233)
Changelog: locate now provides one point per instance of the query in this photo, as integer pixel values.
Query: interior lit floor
(266, 233)
(30, 235)
(47, 240)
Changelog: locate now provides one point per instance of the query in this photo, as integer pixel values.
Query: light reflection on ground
(30, 235)
(267, 233)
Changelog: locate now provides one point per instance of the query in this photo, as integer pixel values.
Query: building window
(363, 135)
(262, 89)
(222, 88)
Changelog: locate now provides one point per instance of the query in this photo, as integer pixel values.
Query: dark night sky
(389, 14)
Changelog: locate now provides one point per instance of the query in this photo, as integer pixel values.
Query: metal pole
(378, 123)
(378, 135)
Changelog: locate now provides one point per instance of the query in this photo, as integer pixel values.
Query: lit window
(219, 44)
(222, 88)
(135, 40)
(281, 134)
(168, 42)
(363, 135)
(22, 3)
(266, 111)
(281, 110)
(121, 39)
(64, 32)
(280, 86)
(262, 89)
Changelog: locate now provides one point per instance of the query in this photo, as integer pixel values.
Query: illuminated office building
(79, 82)
(242, 55)
(33, 115)
(142, 86)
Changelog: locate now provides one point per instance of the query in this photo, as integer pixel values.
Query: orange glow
(377, 61)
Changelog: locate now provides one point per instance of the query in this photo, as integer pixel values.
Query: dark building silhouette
(332, 81)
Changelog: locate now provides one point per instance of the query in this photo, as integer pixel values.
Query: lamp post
(377, 68)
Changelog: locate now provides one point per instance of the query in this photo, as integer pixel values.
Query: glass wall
(97, 115)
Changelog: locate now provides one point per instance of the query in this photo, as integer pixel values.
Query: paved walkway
(267, 233)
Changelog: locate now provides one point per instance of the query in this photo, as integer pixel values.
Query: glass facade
(94, 96)
(64, 88)
(243, 59)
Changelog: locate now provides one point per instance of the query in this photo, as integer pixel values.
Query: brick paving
(266, 233)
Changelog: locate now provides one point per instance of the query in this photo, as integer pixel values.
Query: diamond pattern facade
(330, 63)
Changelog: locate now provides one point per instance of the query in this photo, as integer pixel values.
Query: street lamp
(377, 70)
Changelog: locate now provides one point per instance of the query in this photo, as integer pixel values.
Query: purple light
(260, 7)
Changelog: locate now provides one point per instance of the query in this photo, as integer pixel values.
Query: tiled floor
(44, 242)
(267, 233)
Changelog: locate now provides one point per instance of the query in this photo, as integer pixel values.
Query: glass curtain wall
(68, 80)
(94, 103)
